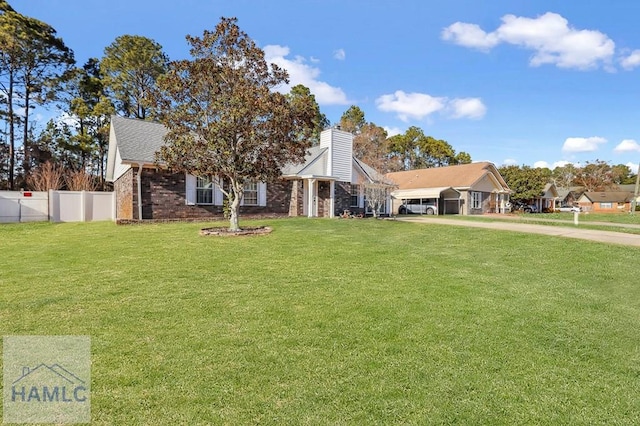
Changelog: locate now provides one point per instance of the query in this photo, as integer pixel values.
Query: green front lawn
(622, 217)
(624, 223)
(334, 322)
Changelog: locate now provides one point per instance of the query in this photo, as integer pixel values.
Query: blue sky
(538, 83)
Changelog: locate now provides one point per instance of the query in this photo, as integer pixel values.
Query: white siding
(218, 195)
(340, 146)
(120, 168)
(262, 194)
(190, 190)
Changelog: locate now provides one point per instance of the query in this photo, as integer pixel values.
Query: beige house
(546, 201)
(465, 189)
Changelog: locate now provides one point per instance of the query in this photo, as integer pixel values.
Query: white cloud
(410, 105)
(560, 163)
(627, 145)
(549, 36)
(392, 131)
(420, 105)
(275, 51)
(510, 162)
(583, 144)
(302, 73)
(470, 35)
(633, 167)
(468, 107)
(540, 165)
(631, 61)
(65, 118)
(339, 55)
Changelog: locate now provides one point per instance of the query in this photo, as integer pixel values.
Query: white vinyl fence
(56, 206)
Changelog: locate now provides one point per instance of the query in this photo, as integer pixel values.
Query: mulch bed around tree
(220, 231)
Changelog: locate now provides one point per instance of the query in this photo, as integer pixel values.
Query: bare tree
(80, 181)
(45, 177)
(377, 194)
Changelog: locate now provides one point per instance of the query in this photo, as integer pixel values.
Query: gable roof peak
(457, 176)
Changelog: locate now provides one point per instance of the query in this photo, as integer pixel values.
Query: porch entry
(318, 197)
(498, 203)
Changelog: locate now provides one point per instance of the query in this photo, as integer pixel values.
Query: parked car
(569, 209)
(525, 208)
(418, 206)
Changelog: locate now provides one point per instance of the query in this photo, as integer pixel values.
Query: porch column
(332, 199)
(139, 182)
(311, 205)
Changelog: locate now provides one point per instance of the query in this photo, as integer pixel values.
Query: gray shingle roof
(315, 164)
(609, 196)
(373, 175)
(138, 140)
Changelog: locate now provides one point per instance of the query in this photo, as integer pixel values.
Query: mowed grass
(616, 222)
(334, 322)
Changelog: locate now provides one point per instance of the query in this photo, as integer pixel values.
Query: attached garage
(446, 198)
(475, 188)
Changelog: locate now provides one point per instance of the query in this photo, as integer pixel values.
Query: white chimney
(340, 146)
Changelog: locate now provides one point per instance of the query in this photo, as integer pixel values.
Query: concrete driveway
(568, 231)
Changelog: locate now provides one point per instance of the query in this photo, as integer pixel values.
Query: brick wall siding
(342, 193)
(296, 201)
(163, 197)
(123, 188)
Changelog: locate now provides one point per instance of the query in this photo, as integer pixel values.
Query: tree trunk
(102, 186)
(12, 137)
(234, 220)
(26, 164)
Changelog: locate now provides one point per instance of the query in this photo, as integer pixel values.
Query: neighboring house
(465, 189)
(328, 182)
(546, 201)
(606, 201)
(568, 197)
(630, 188)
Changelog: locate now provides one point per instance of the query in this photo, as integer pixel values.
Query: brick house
(606, 201)
(328, 182)
(465, 189)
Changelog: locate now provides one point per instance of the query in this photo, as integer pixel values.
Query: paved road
(569, 231)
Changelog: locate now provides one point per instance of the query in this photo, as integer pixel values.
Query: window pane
(250, 194)
(476, 200)
(204, 190)
(355, 191)
(204, 196)
(250, 198)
